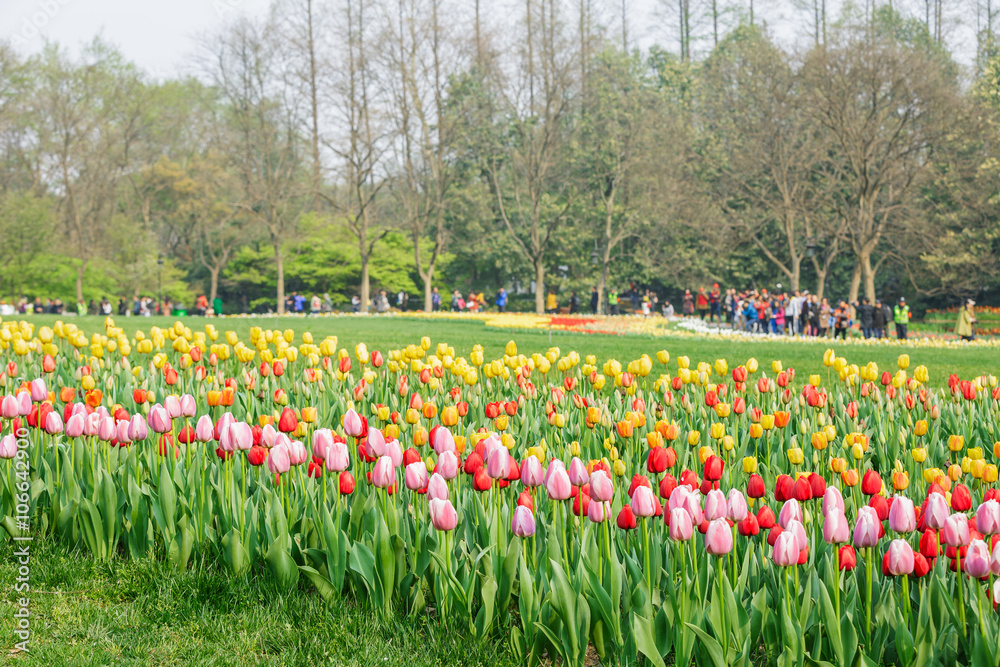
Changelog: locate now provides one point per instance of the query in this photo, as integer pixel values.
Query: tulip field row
(646, 510)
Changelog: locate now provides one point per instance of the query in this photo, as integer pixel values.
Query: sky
(161, 36)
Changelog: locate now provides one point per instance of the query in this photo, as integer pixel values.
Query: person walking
(701, 303)
(613, 301)
(435, 300)
(966, 318)
(551, 303)
(866, 317)
(841, 320)
(501, 300)
(901, 316)
(594, 298)
(878, 319)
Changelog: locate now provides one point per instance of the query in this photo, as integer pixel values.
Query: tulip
(136, 429)
(443, 515)
(376, 442)
(241, 437)
(172, 405)
(902, 518)
(345, 482)
(956, 530)
(995, 560)
(936, 512)
(523, 522)
(626, 518)
(798, 530)
(598, 511)
(447, 465)
(498, 464)
(832, 499)
(395, 452)
(756, 487)
(353, 425)
(24, 404)
(39, 392)
(578, 475)
(681, 527)
(8, 446)
(442, 441)
(74, 426)
(532, 474)
(601, 488)
(415, 476)
(736, 506)
(268, 435)
(643, 502)
(866, 529)
(437, 488)
(835, 527)
(322, 438)
(279, 461)
(718, 538)
(988, 517)
(336, 458)
(790, 510)
(557, 483)
(977, 560)
(899, 558)
(159, 419)
(715, 505)
(384, 474)
(54, 424)
(204, 430)
(786, 550)
(961, 498)
(106, 429)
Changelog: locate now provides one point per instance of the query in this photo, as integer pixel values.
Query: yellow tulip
(795, 456)
(717, 430)
(749, 464)
(693, 438)
(903, 361)
(919, 454)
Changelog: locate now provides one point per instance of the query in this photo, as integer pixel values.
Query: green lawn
(384, 333)
(131, 612)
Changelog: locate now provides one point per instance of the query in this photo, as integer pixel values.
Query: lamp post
(159, 280)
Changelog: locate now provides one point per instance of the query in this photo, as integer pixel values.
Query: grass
(384, 333)
(129, 612)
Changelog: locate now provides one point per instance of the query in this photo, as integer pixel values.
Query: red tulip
(765, 518)
(871, 484)
(346, 483)
(288, 422)
(626, 518)
(848, 558)
(784, 488)
(961, 499)
(713, 468)
(667, 486)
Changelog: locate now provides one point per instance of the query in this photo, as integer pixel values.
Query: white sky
(160, 35)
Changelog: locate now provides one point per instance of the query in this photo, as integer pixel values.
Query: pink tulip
(557, 483)
(9, 408)
(988, 518)
(189, 407)
(532, 474)
(24, 403)
(280, 440)
(74, 426)
(321, 440)
(836, 530)
(554, 465)
(902, 518)
(996, 592)
(297, 453)
(267, 435)
(786, 550)
(376, 443)
(683, 498)
(204, 430)
(956, 530)
(977, 560)
(415, 476)
(443, 515)
(498, 465)
(101, 411)
(93, 421)
(736, 506)
(995, 560)
(790, 510)
(337, 459)
(395, 452)
(601, 488)
(121, 428)
(643, 503)
(39, 392)
(172, 405)
(718, 538)
(598, 511)
(523, 522)
(241, 436)
(8, 446)
(578, 475)
(384, 474)
(490, 445)
(796, 528)
(866, 529)
(80, 409)
(715, 505)
(54, 423)
(936, 512)
(278, 460)
(159, 419)
(681, 528)
(137, 430)
(106, 430)
(444, 441)
(353, 426)
(437, 488)
(447, 465)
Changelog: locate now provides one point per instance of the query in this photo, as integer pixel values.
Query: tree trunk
(821, 272)
(79, 280)
(867, 273)
(365, 287)
(539, 287)
(796, 273)
(279, 264)
(213, 286)
(428, 290)
(852, 296)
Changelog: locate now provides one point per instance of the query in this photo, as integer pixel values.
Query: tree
(260, 138)
(885, 97)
